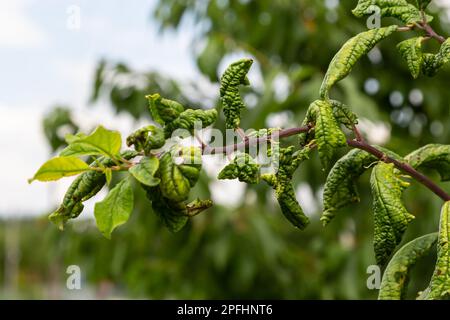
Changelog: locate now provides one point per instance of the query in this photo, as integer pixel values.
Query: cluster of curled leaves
(168, 171)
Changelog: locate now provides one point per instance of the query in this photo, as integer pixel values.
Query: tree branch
(358, 143)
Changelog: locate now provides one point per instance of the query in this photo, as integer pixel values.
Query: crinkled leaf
(179, 171)
(58, 168)
(422, 4)
(145, 170)
(234, 76)
(433, 156)
(100, 142)
(399, 9)
(344, 115)
(147, 138)
(328, 134)
(188, 119)
(395, 278)
(243, 168)
(340, 186)
(115, 209)
(440, 281)
(411, 52)
(432, 63)
(349, 54)
(390, 216)
(163, 110)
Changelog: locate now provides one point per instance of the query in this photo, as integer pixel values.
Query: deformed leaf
(191, 119)
(399, 9)
(163, 110)
(340, 186)
(433, 156)
(179, 171)
(411, 52)
(440, 281)
(432, 63)
(58, 168)
(390, 216)
(115, 209)
(349, 54)
(243, 168)
(100, 142)
(147, 138)
(145, 170)
(344, 115)
(234, 76)
(328, 134)
(395, 278)
(422, 4)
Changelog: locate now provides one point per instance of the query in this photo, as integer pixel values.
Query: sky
(49, 50)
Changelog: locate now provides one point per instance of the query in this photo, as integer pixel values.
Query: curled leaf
(440, 281)
(395, 278)
(234, 76)
(432, 63)
(145, 171)
(390, 216)
(146, 139)
(243, 168)
(163, 110)
(411, 52)
(191, 119)
(399, 9)
(344, 115)
(349, 54)
(432, 156)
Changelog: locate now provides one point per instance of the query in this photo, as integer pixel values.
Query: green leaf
(188, 120)
(328, 134)
(340, 187)
(179, 171)
(390, 216)
(440, 281)
(396, 276)
(344, 115)
(432, 156)
(422, 4)
(163, 110)
(108, 175)
(243, 168)
(100, 142)
(284, 190)
(146, 139)
(349, 54)
(115, 209)
(234, 76)
(145, 171)
(59, 167)
(399, 9)
(432, 63)
(411, 52)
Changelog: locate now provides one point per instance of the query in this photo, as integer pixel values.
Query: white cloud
(16, 28)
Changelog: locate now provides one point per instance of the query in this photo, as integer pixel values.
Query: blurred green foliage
(250, 251)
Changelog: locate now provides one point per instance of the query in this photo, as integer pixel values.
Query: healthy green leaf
(115, 209)
(390, 216)
(328, 134)
(396, 276)
(145, 171)
(411, 52)
(433, 156)
(234, 76)
(146, 139)
(243, 168)
(163, 110)
(59, 167)
(179, 171)
(100, 142)
(187, 120)
(349, 54)
(440, 281)
(399, 9)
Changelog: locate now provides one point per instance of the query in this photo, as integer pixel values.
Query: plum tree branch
(359, 143)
